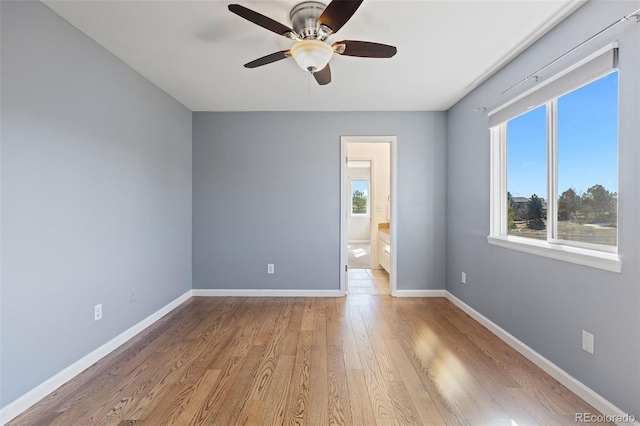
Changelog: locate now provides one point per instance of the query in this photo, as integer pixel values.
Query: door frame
(344, 194)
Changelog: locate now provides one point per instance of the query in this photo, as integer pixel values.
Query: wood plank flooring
(356, 360)
(368, 281)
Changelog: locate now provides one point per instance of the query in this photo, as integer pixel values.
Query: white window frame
(368, 213)
(593, 255)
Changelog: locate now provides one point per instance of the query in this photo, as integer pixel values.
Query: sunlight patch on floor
(359, 252)
(451, 375)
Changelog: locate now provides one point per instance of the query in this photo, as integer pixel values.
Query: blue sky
(360, 185)
(587, 142)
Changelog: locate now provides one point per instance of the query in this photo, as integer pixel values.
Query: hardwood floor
(368, 281)
(357, 360)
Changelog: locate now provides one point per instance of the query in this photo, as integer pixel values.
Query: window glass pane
(359, 197)
(588, 163)
(527, 175)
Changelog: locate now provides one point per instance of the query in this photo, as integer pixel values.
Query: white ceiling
(195, 50)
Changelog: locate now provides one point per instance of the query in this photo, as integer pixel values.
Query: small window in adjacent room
(554, 167)
(359, 197)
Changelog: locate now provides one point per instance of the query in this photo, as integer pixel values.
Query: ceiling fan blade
(263, 21)
(323, 76)
(364, 49)
(338, 12)
(268, 59)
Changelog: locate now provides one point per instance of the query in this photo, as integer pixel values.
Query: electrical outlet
(132, 295)
(464, 278)
(270, 268)
(97, 312)
(587, 341)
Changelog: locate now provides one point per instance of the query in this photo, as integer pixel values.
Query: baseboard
(583, 391)
(265, 293)
(17, 407)
(359, 242)
(420, 293)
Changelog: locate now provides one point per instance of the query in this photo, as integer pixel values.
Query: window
(359, 197)
(588, 163)
(527, 174)
(554, 167)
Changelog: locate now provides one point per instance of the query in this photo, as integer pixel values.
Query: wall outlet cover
(97, 312)
(587, 341)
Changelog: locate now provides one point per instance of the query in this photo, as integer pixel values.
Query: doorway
(364, 273)
(368, 215)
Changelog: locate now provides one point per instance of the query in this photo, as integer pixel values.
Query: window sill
(595, 259)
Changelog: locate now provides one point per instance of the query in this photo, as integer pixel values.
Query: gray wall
(266, 189)
(543, 302)
(96, 196)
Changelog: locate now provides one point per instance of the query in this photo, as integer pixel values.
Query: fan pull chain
(309, 84)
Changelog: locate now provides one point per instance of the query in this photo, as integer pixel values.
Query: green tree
(600, 205)
(569, 204)
(534, 206)
(511, 212)
(359, 203)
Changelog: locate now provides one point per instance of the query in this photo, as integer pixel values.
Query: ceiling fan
(312, 23)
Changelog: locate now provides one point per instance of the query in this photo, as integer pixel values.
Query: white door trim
(393, 141)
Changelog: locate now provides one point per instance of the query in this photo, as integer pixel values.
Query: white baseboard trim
(17, 407)
(265, 293)
(420, 293)
(583, 391)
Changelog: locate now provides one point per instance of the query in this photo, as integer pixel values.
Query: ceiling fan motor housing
(304, 20)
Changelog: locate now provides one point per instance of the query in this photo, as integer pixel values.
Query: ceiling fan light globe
(312, 55)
